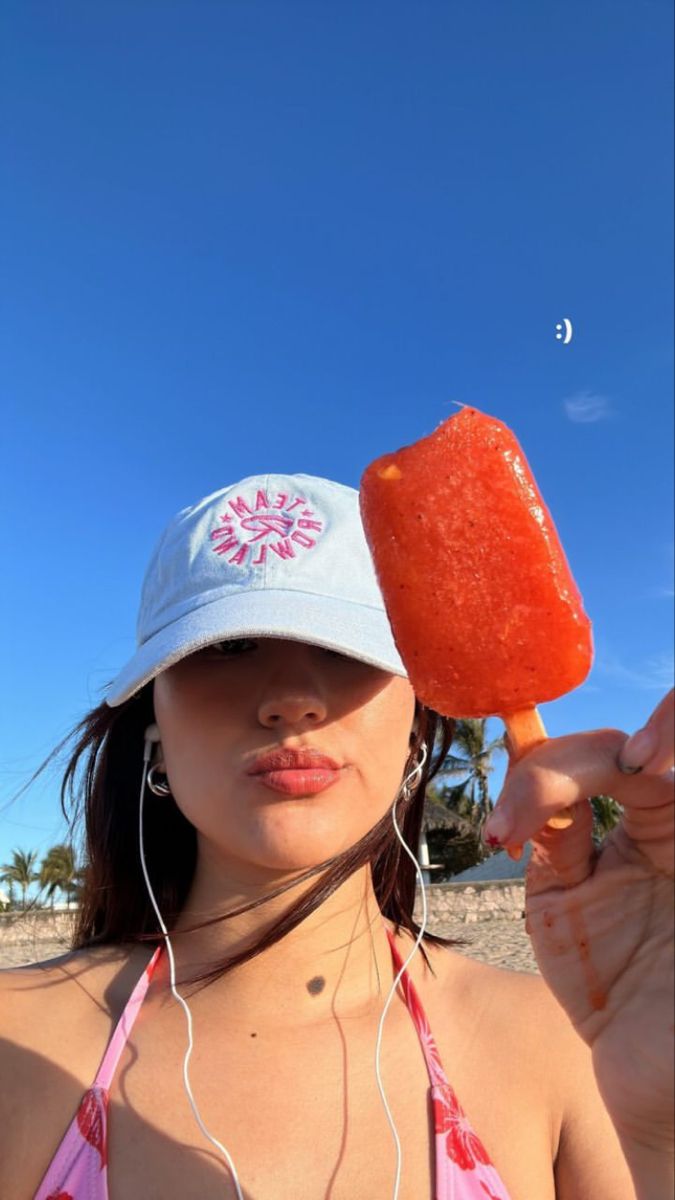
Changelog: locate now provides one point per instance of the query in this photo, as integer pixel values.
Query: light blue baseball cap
(270, 556)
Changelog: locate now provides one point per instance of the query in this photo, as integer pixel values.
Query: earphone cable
(147, 752)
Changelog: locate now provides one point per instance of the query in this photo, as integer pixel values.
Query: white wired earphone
(152, 735)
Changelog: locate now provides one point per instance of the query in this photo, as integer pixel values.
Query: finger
(652, 748)
(565, 771)
(562, 858)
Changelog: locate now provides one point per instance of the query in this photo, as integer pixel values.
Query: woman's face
(222, 707)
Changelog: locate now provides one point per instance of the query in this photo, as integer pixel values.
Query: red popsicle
(485, 612)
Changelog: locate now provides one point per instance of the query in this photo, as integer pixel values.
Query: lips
(298, 783)
(293, 760)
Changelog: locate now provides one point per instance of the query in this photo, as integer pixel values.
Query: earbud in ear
(151, 735)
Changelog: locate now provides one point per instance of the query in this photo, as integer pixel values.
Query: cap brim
(353, 629)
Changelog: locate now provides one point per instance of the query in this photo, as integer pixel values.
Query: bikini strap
(432, 1058)
(125, 1024)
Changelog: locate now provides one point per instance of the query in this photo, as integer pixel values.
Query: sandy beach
(501, 943)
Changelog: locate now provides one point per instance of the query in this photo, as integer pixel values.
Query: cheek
(174, 698)
(385, 732)
(382, 780)
(195, 771)
(189, 719)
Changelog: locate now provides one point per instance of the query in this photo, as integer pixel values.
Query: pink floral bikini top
(79, 1169)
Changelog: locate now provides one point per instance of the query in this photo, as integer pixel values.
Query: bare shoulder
(556, 1065)
(525, 1017)
(519, 999)
(519, 1034)
(56, 1017)
(36, 998)
(512, 1013)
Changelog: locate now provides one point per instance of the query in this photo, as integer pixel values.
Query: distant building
(498, 866)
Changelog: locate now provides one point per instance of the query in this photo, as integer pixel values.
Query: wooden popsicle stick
(526, 730)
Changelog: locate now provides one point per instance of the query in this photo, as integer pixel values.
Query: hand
(601, 921)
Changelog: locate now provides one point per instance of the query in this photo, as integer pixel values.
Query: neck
(335, 963)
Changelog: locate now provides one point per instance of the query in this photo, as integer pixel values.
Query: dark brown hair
(115, 906)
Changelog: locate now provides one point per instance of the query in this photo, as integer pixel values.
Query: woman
(287, 897)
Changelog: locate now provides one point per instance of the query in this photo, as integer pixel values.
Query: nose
(292, 691)
(292, 710)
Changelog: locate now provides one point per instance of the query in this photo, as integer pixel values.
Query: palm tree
(20, 871)
(453, 816)
(606, 814)
(471, 797)
(58, 870)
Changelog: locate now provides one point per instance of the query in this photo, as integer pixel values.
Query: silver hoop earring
(411, 782)
(158, 789)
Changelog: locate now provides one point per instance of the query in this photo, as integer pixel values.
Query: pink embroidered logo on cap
(265, 526)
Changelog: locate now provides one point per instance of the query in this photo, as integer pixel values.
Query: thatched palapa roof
(437, 816)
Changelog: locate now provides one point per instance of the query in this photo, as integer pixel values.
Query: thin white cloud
(655, 674)
(660, 593)
(587, 407)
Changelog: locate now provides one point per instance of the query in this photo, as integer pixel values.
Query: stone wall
(19, 929)
(484, 900)
(468, 904)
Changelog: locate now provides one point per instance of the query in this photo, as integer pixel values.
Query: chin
(295, 850)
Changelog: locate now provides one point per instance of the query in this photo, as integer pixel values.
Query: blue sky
(284, 236)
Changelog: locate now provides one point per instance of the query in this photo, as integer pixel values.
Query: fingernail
(497, 828)
(515, 852)
(637, 751)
